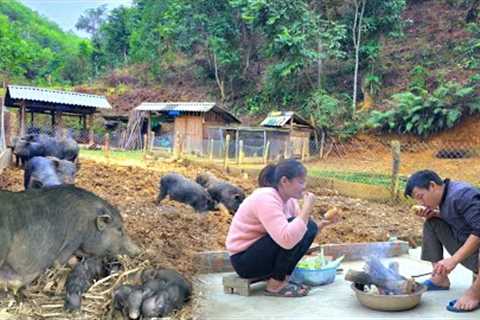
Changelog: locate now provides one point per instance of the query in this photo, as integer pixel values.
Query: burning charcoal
(386, 279)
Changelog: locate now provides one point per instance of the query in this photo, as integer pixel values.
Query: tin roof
(202, 107)
(176, 106)
(28, 93)
(281, 118)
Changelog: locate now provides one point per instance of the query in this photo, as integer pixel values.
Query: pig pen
(172, 234)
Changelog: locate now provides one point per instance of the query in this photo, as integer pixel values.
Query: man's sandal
(290, 290)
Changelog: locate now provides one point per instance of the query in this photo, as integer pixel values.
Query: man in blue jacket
(452, 220)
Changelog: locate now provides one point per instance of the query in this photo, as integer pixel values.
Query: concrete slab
(336, 300)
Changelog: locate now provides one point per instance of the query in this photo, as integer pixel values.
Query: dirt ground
(172, 233)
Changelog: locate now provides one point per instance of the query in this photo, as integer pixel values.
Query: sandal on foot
(433, 287)
(301, 285)
(451, 307)
(290, 291)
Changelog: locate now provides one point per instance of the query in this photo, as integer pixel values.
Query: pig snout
(130, 248)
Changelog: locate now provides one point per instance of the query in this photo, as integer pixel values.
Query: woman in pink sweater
(270, 233)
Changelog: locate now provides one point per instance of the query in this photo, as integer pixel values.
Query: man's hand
(445, 266)
(425, 212)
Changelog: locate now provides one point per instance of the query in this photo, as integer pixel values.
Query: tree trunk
(356, 35)
(220, 82)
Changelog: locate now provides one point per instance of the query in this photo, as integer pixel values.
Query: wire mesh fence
(365, 160)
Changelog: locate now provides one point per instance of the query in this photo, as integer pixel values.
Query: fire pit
(384, 288)
(394, 302)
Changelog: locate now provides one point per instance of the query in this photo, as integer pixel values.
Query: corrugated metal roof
(176, 106)
(277, 119)
(281, 118)
(58, 96)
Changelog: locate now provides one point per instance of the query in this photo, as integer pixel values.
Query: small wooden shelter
(191, 121)
(56, 103)
(293, 131)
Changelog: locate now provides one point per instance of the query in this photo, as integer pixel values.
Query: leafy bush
(423, 113)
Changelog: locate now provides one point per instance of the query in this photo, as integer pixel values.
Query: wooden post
(395, 168)
(237, 136)
(106, 145)
(149, 126)
(3, 144)
(53, 121)
(241, 154)
(265, 152)
(145, 139)
(285, 151)
(91, 139)
(210, 149)
(152, 140)
(304, 152)
(21, 120)
(264, 139)
(59, 131)
(225, 155)
(176, 145)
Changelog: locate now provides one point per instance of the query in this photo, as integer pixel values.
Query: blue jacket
(460, 208)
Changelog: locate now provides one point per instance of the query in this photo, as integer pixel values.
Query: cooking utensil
(421, 274)
(385, 302)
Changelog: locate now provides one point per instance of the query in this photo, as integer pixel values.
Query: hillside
(35, 50)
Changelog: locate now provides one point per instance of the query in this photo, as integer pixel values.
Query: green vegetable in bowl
(319, 262)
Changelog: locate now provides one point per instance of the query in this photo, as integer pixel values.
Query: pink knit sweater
(265, 212)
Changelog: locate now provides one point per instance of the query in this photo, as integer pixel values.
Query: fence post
(210, 150)
(145, 147)
(265, 152)
(176, 145)
(241, 154)
(285, 151)
(227, 147)
(151, 140)
(304, 150)
(106, 147)
(395, 168)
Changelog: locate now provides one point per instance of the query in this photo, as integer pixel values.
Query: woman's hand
(332, 216)
(308, 202)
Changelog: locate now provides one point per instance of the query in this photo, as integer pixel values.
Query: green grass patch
(359, 177)
(114, 154)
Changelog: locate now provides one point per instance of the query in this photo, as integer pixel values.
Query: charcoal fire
(378, 279)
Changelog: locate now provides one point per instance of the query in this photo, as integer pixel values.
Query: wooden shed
(294, 132)
(55, 103)
(191, 121)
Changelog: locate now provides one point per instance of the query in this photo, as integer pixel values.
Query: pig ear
(103, 221)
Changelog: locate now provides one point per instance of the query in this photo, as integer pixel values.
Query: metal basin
(384, 302)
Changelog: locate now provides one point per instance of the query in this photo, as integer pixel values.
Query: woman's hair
(270, 175)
